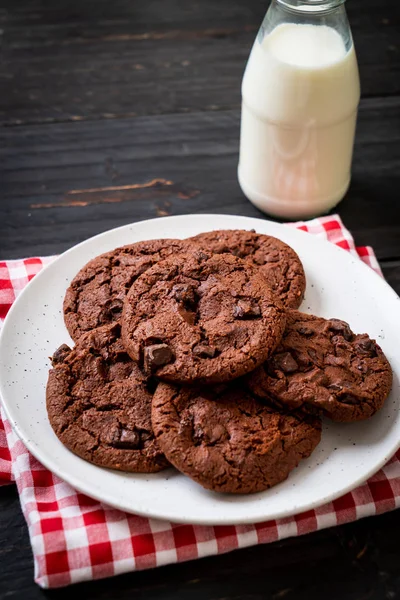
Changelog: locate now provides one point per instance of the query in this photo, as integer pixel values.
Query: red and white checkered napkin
(75, 538)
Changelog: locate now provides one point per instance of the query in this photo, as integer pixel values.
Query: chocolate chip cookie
(99, 405)
(277, 261)
(321, 365)
(201, 318)
(95, 296)
(228, 441)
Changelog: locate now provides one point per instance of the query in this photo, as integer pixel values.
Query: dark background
(112, 111)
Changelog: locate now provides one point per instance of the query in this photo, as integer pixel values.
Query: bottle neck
(316, 7)
(330, 13)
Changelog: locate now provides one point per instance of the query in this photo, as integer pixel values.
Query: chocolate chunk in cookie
(95, 295)
(227, 440)
(321, 365)
(156, 356)
(277, 261)
(246, 310)
(99, 404)
(201, 318)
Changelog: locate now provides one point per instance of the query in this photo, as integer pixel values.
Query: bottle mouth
(310, 6)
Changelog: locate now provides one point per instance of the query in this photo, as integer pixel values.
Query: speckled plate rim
(338, 285)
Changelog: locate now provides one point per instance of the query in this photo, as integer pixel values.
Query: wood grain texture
(69, 61)
(169, 164)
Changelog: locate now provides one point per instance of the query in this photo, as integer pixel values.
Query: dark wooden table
(116, 111)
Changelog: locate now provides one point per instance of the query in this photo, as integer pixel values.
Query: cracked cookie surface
(99, 405)
(228, 441)
(95, 295)
(321, 365)
(277, 261)
(201, 318)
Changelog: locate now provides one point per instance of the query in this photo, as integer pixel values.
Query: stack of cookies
(191, 353)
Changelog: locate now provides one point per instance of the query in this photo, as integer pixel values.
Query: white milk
(300, 95)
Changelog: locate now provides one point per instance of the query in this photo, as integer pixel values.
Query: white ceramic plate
(338, 285)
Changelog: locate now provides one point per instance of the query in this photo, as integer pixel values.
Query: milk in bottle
(300, 94)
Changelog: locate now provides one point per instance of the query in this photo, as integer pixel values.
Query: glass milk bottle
(300, 95)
